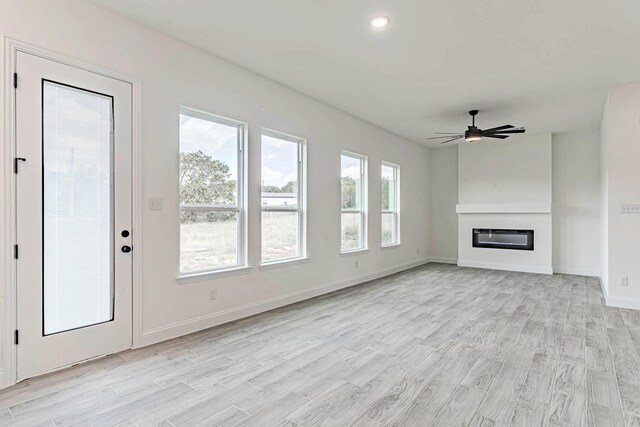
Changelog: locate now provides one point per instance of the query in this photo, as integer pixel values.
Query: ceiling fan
(473, 133)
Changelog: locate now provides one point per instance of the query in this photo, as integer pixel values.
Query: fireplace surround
(508, 187)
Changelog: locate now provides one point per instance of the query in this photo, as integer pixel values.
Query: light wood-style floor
(437, 345)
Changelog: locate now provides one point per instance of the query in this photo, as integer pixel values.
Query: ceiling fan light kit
(473, 133)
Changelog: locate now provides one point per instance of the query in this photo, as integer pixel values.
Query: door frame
(8, 376)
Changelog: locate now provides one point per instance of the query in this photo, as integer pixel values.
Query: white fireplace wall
(514, 170)
(506, 184)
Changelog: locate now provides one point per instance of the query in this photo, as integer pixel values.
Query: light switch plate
(155, 204)
(628, 208)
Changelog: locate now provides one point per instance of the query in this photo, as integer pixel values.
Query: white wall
(605, 130)
(576, 203)
(515, 170)
(621, 185)
(443, 179)
(174, 74)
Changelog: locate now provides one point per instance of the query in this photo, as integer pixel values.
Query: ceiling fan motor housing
(473, 134)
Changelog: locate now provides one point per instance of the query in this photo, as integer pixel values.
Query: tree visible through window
(210, 201)
(353, 202)
(389, 174)
(282, 175)
(205, 180)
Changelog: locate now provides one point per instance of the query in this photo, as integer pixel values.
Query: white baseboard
(175, 330)
(558, 270)
(619, 302)
(508, 267)
(623, 302)
(443, 260)
(577, 271)
(603, 289)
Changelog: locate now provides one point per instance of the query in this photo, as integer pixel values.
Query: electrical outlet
(356, 264)
(155, 204)
(624, 281)
(630, 208)
(213, 294)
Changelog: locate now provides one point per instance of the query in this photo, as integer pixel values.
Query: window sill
(283, 263)
(391, 246)
(212, 275)
(355, 252)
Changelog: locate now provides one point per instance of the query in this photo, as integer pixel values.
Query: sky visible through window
(213, 139)
(350, 167)
(279, 161)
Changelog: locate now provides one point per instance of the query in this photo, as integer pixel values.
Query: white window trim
(354, 252)
(287, 262)
(391, 246)
(364, 203)
(213, 275)
(240, 267)
(396, 212)
(301, 209)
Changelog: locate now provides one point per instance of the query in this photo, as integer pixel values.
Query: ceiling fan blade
(495, 136)
(453, 139)
(516, 130)
(447, 133)
(448, 136)
(498, 128)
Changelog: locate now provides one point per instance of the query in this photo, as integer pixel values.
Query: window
(283, 197)
(353, 180)
(390, 176)
(211, 192)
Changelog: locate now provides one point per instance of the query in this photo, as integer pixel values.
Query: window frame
(301, 208)
(240, 266)
(396, 204)
(364, 182)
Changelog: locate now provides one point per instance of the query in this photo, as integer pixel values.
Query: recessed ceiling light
(379, 21)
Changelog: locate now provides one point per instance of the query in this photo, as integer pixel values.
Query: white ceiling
(543, 64)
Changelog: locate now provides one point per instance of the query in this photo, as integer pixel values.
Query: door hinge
(15, 251)
(16, 337)
(15, 163)
(15, 80)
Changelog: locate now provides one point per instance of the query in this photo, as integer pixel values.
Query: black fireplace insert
(498, 238)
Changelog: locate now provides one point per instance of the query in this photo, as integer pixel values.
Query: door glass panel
(77, 208)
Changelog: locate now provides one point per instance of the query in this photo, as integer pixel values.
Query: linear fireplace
(497, 238)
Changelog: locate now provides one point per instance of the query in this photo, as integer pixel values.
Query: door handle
(126, 249)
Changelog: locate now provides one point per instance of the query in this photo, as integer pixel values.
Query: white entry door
(73, 210)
